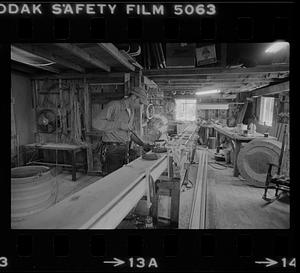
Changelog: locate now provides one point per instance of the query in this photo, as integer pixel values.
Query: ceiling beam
(116, 54)
(71, 76)
(175, 72)
(80, 53)
(17, 55)
(37, 50)
(272, 89)
(19, 67)
(223, 76)
(188, 81)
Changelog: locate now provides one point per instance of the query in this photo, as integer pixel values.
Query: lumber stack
(198, 211)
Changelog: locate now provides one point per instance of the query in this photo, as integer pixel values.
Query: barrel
(212, 142)
(254, 157)
(32, 190)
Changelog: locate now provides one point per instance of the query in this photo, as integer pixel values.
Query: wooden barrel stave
(33, 192)
(254, 157)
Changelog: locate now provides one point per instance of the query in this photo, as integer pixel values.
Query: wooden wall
(65, 99)
(22, 115)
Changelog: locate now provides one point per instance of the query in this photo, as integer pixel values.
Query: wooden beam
(80, 53)
(71, 76)
(198, 213)
(19, 67)
(175, 72)
(149, 82)
(115, 53)
(272, 89)
(161, 81)
(19, 59)
(39, 51)
(103, 204)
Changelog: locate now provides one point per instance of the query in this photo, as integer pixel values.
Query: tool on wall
(47, 121)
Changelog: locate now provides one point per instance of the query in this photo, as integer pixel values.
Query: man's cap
(141, 93)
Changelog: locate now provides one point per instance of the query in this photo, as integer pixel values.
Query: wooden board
(254, 157)
(198, 213)
(101, 205)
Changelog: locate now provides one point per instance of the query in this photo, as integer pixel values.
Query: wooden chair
(281, 179)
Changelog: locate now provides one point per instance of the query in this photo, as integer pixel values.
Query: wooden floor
(235, 204)
(232, 202)
(67, 187)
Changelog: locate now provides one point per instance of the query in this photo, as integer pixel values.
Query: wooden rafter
(116, 54)
(174, 72)
(101, 76)
(82, 54)
(272, 89)
(23, 57)
(40, 51)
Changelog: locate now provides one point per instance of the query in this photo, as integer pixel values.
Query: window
(266, 111)
(185, 110)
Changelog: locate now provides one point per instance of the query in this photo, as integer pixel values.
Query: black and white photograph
(154, 135)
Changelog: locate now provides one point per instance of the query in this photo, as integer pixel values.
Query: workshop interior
(150, 136)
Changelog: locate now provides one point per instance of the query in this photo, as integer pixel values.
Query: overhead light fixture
(199, 93)
(277, 46)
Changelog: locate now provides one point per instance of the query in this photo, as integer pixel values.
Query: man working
(116, 123)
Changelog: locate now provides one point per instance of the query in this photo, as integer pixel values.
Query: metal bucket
(32, 190)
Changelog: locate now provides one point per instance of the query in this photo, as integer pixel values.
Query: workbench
(236, 141)
(73, 150)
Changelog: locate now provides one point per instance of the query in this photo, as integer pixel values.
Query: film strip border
(152, 250)
(233, 22)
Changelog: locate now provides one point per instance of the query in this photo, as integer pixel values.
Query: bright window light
(185, 109)
(199, 93)
(277, 46)
(266, 111)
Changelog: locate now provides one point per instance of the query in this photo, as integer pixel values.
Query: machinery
(47, 121)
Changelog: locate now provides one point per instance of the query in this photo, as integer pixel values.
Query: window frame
(262, 111)
(193, 102)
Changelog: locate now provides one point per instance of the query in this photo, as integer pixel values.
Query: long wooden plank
(40, 51)
(175, 72)
(102, 204)
(80, 53)
(17, 55)
(272, 89)
(198, 212)
(115, 53)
